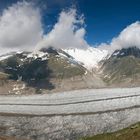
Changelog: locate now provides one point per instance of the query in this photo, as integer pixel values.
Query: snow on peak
(6, 56)
(37, 54)
(88, 57)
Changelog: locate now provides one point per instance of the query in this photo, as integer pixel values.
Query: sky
(87, 23)
(107, 18)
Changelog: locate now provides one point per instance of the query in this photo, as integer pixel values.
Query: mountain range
(51, 70)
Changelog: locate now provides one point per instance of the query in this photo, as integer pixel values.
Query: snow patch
(38, 54)
(89, 57)
(116, 53)
(3, 57)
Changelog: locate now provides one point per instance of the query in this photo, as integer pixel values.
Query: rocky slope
(122, 68)
(52, 70)
(48, 69)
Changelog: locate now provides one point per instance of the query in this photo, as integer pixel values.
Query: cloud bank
(129, 37)
(20, 27)
(68, 32)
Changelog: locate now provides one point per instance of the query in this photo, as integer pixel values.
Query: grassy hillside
(130, 133)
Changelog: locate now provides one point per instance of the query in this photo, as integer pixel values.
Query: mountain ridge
(54, 69)
(48, 69)
(122, 68)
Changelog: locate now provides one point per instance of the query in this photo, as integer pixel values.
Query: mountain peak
(131, 51)
(89, 58)
(50, 50)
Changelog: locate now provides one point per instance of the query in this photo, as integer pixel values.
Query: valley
(69, 70)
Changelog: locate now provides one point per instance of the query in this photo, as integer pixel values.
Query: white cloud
(129, 37)
(66, 33)
(20, 27)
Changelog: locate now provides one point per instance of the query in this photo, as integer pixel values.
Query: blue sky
(104, 19)
(107, 18)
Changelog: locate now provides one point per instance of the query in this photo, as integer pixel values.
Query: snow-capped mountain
(130, 51)
(50, 57)
(50, 68)
(68, 69)
(88, 57)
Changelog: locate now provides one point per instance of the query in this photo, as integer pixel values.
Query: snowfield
(69, 115)
(88, 57)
